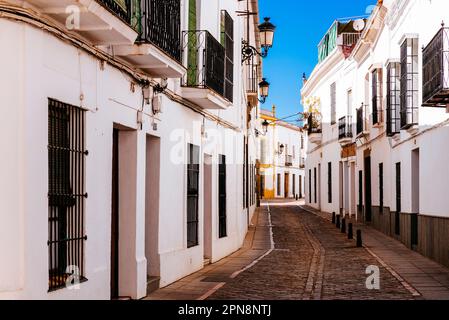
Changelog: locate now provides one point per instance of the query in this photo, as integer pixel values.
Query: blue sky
(300, 26)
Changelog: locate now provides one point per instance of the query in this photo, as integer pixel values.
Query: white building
(123, 137)
(384, 162)
(282, 158)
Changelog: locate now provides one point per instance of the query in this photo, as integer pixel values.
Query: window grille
(409, 83)
(193, 171)
(222, 218)
(66, 194)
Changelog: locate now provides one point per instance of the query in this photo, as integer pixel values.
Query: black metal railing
(193, 172)
(121, 8)
(345, 128)
(409, 83)
(360, 121)
(204, 58)
(160, 24)
(222, 196)
(66, 194)
(313, 126)
(252, 84)
(435, 70)
(393, 106)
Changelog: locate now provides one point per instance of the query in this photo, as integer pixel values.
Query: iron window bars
(376, 90)
(381, 188)
(310, 186)
(227, 40)
(160, 24)
(66, 193)
(252, 85)
(360, 121)
(204, 58)
(329, 182)
(278, 185)
(222, 197)
(436, 70)
(345, 127)
(393, 98)
(409, 83)
(193, 172)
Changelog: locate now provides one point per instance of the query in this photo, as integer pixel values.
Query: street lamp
(281, 149)
(266, 30)
(264, 87)
(265, 126)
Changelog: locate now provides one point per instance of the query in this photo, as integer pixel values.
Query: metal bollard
(338, 222)
(333, 218)
(343, 225)
(350, 232)
(359, 239)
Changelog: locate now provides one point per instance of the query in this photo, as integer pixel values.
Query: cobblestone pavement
(311, 260)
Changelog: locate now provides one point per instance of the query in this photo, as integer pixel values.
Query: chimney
(273, 110)
(304, 78)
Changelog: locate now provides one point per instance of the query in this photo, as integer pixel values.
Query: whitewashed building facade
(124, 127)
(384, 162)
(282, 158)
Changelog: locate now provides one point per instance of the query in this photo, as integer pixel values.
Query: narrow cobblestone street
(300, 256)
(311, 260)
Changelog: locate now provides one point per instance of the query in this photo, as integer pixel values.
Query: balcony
(288, 160)
(347, 41)
(342, 35)
(157, 50)
(314, 130)
(252, 83)
(103, 22)
(345, 130)
(204, 82)
(362, 123)
(436, 70)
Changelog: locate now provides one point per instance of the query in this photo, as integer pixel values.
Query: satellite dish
(358, 25)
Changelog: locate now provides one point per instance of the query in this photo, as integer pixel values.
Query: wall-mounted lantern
(264, 87)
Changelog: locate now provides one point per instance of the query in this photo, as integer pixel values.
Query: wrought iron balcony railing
(160, 24)
(313, 126)
(345, 128)
(121, 8)
(349, 39)
(252, 84)
(436, 70)
(204, 58)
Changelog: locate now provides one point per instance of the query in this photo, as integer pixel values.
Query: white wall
(36, 66)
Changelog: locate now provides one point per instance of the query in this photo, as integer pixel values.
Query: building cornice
(321, 70)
